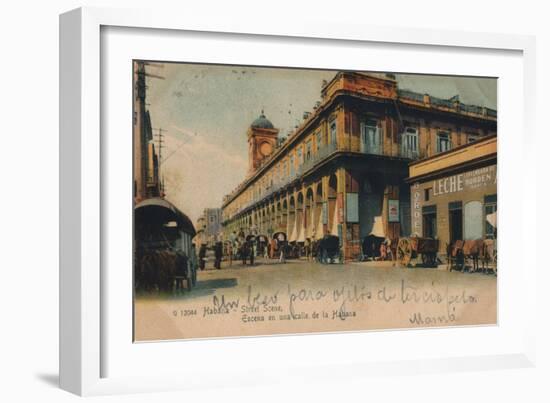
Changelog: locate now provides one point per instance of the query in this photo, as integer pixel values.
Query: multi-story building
(343, 170)
(213, 222)
(209, 226)
(146, 164)
(200, 226)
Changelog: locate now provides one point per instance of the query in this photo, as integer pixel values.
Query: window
(490, 216)
(443, 142)
(370, 137)
(427, 194)
(332, 126)
(300, 155)
(291, 164)
(319, 139)
(455, 221)
(308, 150)
(409, 143)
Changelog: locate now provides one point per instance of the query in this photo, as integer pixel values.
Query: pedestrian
(218, 252)
(272, 247)
(193, 263)
(254, 247)
(383, 251)
(389, 251)
(244, 252)
(202, 256)
(252, 252)
(230, 253)
(282, 251)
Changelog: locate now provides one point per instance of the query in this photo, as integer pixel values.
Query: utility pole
(160, 140)
(141, 130)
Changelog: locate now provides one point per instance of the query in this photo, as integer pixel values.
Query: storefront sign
(393, 210)
(325, 213)
(466, 181)
(415, 210)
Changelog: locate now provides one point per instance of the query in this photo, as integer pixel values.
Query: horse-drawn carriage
(370, 247)
(329, 250)
(414, 247)
(277, 241)
(465, 255)
(162, 270)
(163, 259)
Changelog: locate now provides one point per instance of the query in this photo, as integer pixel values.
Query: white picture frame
(83, 297)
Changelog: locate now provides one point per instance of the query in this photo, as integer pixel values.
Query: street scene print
(273, 200)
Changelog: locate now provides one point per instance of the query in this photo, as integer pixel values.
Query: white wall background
(29, 198)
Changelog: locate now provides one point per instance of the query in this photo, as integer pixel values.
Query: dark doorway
(429, 224)
(455, 221)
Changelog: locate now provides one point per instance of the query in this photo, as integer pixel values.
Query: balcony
(375, 149)
(409, 153)
(315, 159)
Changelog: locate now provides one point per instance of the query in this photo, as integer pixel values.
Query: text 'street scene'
(281, 201)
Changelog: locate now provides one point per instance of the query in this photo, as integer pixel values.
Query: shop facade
(454, 194)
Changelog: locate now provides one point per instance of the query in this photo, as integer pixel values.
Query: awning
(319, 232)
(157, 211)
(378, 227)
(300, 219)
(492, 219)
(334, 230)
(293, 234)
(310, 224)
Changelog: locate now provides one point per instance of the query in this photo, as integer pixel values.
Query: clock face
(265, 149)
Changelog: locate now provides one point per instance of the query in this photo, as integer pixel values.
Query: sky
(204, 112)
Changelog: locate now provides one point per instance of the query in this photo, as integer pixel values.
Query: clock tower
(262, 140)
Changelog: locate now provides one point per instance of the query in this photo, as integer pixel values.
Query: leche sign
(466, 181)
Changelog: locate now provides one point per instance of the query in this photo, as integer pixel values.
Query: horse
(488, 255)
(455, 254)
(473, 249)
(156, 270)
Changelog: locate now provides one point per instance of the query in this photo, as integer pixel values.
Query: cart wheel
(404, 251)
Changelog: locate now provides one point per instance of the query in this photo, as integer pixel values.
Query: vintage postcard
(272, 200)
